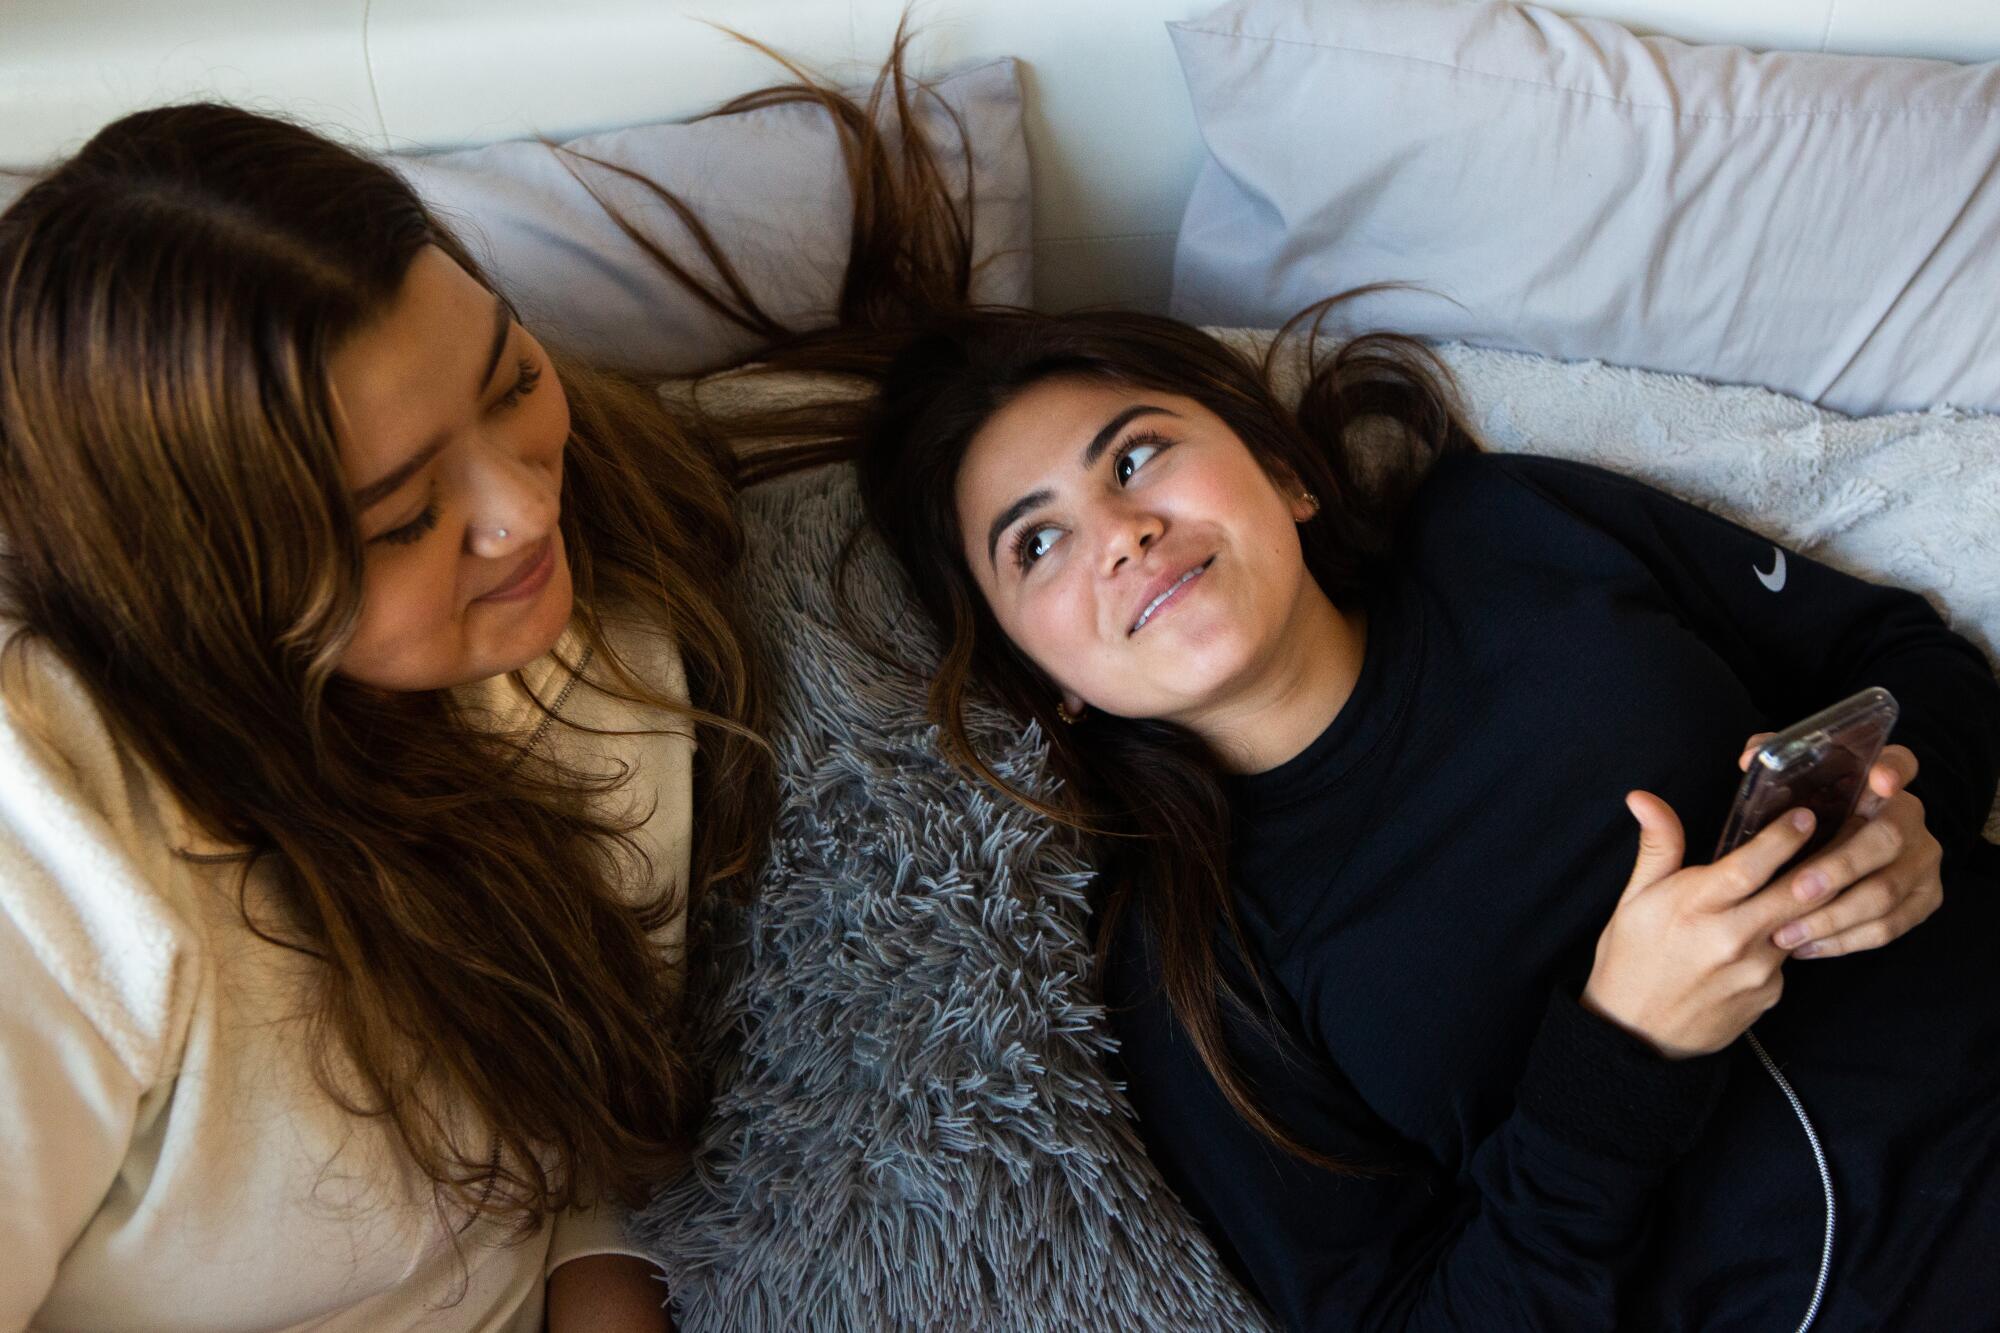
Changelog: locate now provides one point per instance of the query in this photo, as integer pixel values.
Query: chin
(444, 660)
(537, 627)
(1206, 668)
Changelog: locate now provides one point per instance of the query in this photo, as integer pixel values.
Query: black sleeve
(1802, 635)
(1536, 1232)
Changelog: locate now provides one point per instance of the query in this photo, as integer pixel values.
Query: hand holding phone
(1658, 972)
(1686, 961)
(1883, 867)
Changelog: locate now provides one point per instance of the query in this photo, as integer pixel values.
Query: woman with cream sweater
(371, 719)
(356, 653)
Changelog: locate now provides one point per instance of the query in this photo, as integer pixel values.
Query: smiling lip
(528, 577)
(1164, 592)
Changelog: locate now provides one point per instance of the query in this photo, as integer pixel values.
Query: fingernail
(1811, 886)
(1790, 935)
(1812, 950)
(1802, 820)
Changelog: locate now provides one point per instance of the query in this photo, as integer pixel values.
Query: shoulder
(92, 892)
(1521, 481)
(1529, 505)
(647, 647)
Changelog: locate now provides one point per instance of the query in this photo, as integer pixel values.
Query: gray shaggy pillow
(913, 1128)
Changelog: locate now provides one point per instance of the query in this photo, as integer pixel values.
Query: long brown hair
(179, 532)
(1151, 792)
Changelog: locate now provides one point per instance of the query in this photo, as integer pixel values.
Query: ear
(1073, 705)
(1298, 499)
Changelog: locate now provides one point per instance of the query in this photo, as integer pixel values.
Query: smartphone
(1821, 763)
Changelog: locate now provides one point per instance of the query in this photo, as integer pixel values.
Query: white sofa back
(1113, 141)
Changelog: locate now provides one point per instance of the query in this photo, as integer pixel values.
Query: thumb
(1661, 842)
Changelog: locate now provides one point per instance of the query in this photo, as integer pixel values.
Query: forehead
(401, 375)
(1035, 440)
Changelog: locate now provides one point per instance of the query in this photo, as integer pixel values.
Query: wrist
(1592, 1002)
(1597, 1085)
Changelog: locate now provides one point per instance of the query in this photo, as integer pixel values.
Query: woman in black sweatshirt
(1357, 713)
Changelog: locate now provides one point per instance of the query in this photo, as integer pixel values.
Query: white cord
(1825, 1177)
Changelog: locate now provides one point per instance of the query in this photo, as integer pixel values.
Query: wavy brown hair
(1149, 792)
(179, 532)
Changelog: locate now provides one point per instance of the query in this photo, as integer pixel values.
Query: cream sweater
(170, 1161)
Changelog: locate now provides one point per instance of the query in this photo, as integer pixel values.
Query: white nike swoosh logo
(1775, 578)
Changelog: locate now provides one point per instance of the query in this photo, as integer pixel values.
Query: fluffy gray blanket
(914, 1128)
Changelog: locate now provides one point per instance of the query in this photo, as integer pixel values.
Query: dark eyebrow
(1091, 453)
(383, 487)
(1102, 440)
(1006, 520)
(375, 492)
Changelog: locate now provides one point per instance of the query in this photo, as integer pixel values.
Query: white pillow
(1822, 225)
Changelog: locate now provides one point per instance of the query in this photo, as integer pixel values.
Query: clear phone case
(1821, 763)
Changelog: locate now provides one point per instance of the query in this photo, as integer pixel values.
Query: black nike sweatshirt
(1422, 889)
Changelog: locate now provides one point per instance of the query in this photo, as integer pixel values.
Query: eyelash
(1145, 437)
(412, 530)
(1018, 546)
(529, 375)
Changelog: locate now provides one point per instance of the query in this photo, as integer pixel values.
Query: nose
(1130, 535)
(515, 503)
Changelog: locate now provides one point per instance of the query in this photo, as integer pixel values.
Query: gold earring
(1069, 719)
(1310, 499)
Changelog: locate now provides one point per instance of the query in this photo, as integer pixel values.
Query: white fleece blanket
(1911, 499)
